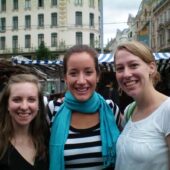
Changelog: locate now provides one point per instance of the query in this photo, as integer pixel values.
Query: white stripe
(83, 140)
(82, 151)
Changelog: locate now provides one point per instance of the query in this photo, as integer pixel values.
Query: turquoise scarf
(61, 124)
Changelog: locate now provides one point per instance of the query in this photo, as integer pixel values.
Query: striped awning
(159, 56)
(103, 58)
(108, 58)
(17, 60)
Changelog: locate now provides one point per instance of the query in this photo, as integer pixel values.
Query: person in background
(145, 140)
(24, 130)
(84, 131)
(107, 87)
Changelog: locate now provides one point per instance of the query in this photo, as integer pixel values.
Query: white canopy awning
(108, 58)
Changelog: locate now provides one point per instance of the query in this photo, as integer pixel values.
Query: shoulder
(116, 112)
(112, 105)
(165, 106)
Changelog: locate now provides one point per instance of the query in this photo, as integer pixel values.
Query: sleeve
(166, 119)
(50, 110)
(54, 109)
(116, 112)
(123, 122)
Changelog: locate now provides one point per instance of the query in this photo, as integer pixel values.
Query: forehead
(124, 56)
(80, 59)
(23, 88)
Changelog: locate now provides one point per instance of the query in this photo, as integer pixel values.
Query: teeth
(131, 83)
(82, 90)
(23, 114)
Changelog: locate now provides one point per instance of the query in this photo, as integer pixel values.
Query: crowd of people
(83, 129)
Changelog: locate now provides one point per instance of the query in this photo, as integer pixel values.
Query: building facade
(153, 24)
(60, 24)
(161, 26)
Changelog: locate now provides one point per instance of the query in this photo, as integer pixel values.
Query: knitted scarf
(61, 124)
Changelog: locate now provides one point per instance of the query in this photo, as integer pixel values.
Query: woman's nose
(81, 78)
(127, 72)
(24, 105)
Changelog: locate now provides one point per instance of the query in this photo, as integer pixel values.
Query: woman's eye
(16, 100)
(89, 72)
(134, 65)
(72, 73)
(31, 100)
(119, 69)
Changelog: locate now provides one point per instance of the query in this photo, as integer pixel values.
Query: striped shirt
(83, 149)
(83, 146)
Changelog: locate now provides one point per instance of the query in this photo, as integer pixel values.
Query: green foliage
(43, 53)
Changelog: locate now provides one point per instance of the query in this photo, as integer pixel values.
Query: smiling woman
(84, 131)
(145, 140)
(24, 130)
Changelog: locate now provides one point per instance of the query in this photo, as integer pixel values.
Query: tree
(43, 53)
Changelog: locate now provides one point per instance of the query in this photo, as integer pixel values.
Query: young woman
(84, 130)
(145, 140)
(24, 130)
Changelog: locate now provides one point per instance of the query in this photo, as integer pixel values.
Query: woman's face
(132, 73)
(23, 103)
(81, 77)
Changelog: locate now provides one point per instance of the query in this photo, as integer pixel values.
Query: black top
(13, 160)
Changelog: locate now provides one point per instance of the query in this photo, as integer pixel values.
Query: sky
(115, 16)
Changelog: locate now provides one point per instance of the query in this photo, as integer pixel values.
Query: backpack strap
(130, 110)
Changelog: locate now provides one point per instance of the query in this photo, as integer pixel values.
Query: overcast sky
(115, 15)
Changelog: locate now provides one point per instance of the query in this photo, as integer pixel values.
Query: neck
(150, 98)
(21, 132)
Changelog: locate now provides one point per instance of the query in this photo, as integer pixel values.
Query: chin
(133, 94)
(82, 98)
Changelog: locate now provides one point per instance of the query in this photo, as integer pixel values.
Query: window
(162, 37)
(3, 5)
(15, 23)
(41, 20)
(54, 2)
(27, 41)
(2, 43)
(78, 2)
(27, 22)
(15, 42)
(91, 3)
(168, 13)
(54, 19)
(40, 3)
(99, 4)
(54, 40)
(15, 4)
(27, 4)
(79, 39)
(2, 24)
(40, 39)
(91, 18)
(78, 18)
(91, 40)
